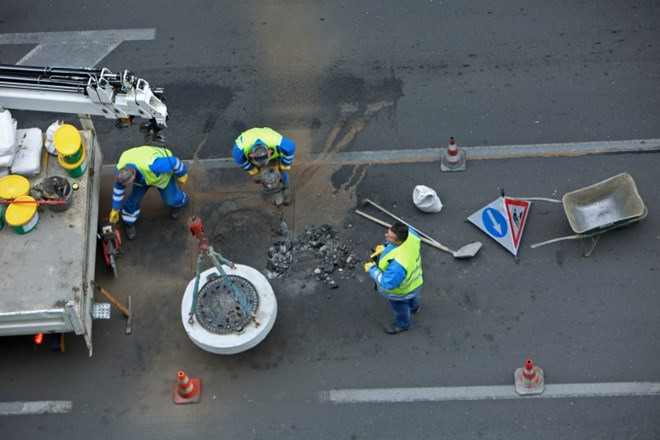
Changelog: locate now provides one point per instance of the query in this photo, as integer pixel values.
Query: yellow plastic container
(68, 143)
(74, 170)
(13, 186)
(22, 217)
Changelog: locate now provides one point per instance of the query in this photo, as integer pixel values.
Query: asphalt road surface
(372, 78)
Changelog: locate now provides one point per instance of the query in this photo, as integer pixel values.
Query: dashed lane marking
(438, 394)
(38, 407)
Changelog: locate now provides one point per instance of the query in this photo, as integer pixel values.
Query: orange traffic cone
(187, 390)
(529, 380)
(452, 159)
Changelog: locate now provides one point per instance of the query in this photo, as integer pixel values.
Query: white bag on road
(426, 199)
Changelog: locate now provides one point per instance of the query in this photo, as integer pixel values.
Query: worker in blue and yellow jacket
(398, 274)
(147, 167)
(255, 148)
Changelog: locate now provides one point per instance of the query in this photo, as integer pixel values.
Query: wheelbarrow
(599, 208)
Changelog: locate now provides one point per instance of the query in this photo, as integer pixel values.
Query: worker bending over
(398, 274)
(145, 167)
(256, 147)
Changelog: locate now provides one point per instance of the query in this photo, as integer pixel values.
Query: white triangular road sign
(517, 214)
(503, 220)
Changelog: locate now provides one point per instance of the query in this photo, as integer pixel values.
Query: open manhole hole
(242, 236)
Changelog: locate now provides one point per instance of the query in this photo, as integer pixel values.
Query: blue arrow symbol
(494, 222)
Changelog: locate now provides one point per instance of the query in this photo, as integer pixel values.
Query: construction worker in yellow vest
(398, 274)
(147, 167)
(255, 148)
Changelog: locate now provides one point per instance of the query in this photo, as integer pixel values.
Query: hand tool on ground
(467, 251)
(110, 243)
(389, 225)
(128, 311)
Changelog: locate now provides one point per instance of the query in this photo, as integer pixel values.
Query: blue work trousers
(403, 306)
(171, 195)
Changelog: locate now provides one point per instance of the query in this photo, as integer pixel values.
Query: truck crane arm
(83, 91)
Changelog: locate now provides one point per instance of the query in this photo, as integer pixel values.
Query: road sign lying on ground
(504, 221)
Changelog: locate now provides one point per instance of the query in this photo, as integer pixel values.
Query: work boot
(176, 213)
(392, 329)
(414, 312)
(131, 233)
(286, 193)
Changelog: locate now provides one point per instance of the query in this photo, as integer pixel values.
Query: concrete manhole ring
(236, 342)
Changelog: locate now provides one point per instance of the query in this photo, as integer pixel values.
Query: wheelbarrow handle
(555, 240)
(537, 199)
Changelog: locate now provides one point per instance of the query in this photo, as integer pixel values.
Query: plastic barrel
(22, 217)
(68, 143)
(13, 186)
(74, 169)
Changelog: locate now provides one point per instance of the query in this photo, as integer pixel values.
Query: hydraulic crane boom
(87, 91)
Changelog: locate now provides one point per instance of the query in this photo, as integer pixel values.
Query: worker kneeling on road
(398, 274)
(145, 167)
(255, 148)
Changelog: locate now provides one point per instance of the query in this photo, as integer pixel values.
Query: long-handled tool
(128, 311)
(33, 202)
(467, 251)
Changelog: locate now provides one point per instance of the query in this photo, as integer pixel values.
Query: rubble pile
(318, 253)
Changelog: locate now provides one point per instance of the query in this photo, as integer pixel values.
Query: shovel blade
(468, 251)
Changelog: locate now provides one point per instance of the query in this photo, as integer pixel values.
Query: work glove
(368, 266)
(377, 251)
(114, 216)
(182, 179)
(254, 171)
(282, 167)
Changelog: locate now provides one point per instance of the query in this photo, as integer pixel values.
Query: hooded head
(260, 154)
(126, 175)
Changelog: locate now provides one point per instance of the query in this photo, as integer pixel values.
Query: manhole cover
(219, 311)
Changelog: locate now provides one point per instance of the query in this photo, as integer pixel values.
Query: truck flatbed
(47, 272)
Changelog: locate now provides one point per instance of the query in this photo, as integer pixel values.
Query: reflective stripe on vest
(266, 135)
(407, 255)
(142, 157)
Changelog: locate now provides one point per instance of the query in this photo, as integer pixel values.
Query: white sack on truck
(27, 160)
(7, 138)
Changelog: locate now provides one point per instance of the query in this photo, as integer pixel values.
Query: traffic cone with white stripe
(453, 159)
(187, 390)
(529, 379)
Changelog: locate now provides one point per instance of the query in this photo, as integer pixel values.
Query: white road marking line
(431, 154)
(75, 48)
(498, 152)
(38, 407)
(438, 394)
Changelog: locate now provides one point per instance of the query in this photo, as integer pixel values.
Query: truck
(47, 282)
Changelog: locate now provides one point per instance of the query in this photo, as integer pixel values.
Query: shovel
(467, 251)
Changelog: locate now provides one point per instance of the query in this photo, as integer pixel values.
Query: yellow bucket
(68, 143)
(22, 217)
(13, 186)
(74, 169)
